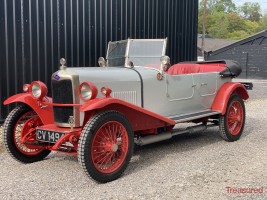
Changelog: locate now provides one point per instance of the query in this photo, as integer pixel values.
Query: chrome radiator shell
(60, 95)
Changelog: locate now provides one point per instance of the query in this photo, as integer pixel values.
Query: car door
(208, 84)
(180, 87)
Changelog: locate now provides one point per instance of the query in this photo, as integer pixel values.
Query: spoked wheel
(106, 146)
(232, 123)
(20, 125)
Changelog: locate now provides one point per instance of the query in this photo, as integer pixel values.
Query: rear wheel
(106, 146)
(21, 124)
(232, 123)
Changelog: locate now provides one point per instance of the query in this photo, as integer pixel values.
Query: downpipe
(168, 135)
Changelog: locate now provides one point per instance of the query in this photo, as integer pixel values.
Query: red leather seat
(192, 68)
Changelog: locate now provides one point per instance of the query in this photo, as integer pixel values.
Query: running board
(190, 117)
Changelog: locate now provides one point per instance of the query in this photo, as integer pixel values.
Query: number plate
(48, 136)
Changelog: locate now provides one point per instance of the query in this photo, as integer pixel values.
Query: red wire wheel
(109, 147)
(106, 146)
(27, 124)
(232, 123)
(235, 117)
(20, 125)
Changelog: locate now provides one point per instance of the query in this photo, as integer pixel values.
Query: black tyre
(106, 146)
(232, 123)
(19, 122)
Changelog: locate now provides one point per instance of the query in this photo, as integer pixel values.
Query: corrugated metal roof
(240, 42)
(213, 44)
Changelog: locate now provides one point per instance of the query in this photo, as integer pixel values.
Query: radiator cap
(62, 62)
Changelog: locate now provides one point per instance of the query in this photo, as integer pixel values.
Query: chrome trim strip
(127, 53)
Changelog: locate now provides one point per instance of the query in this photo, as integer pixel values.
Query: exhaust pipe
(168, 135)
(153, 138)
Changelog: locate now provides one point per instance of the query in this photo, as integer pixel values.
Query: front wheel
(232, 123)
(21, 123)
(106, 146)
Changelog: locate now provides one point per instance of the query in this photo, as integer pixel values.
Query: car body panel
(44, 111)
(222, 97)
(139, 118)
(124, 82)
(179, 94)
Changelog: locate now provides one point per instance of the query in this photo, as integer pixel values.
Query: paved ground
(200, 166)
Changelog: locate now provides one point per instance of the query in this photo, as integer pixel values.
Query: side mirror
(102, 62)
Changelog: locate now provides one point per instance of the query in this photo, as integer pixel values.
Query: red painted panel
(140, 119)
(223, 95)
(45, 112)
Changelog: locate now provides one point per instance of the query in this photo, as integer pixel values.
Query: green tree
(217, 25)
(238, 35)
(236, 23)
(252, 27)
(251, 11)
(214, 6)
(225, 21)
(200, 23)
(263, 22)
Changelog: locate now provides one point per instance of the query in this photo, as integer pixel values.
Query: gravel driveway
(199, 166)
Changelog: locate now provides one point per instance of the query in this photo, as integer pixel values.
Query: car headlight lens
(26, 88)
(106, 91)
(87, 91)
(38, 89)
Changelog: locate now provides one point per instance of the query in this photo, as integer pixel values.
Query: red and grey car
(134, 97)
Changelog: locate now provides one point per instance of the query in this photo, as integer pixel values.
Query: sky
(263, 3)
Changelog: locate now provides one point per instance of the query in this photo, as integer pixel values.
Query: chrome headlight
(38, 89)
(87, 91)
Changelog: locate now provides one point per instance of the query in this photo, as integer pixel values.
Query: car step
(193, 116)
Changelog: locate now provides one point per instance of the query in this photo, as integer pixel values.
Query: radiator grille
(62, 93)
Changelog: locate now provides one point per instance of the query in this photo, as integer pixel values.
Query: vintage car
(135, 97)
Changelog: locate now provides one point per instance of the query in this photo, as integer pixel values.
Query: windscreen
(116, 53)
(146, 53)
